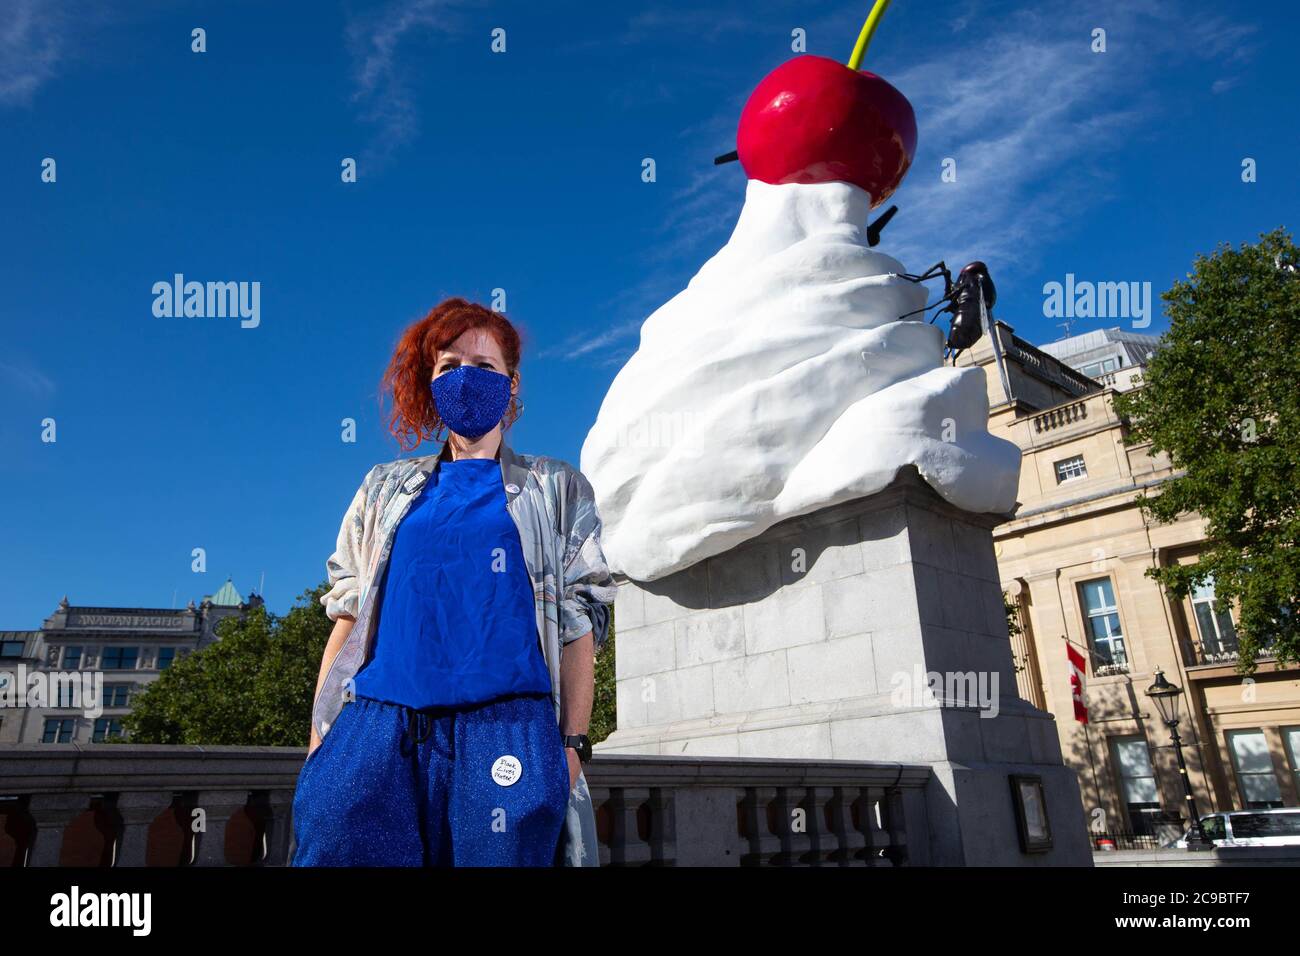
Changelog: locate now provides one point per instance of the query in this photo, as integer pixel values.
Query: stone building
(77, 648)
(1074, 561)
(1114, 357)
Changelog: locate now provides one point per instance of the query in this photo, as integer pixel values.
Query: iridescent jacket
(554, 508)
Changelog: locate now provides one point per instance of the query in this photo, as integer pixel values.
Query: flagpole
(1092, 656)
(1087, 732)
(1096, 786)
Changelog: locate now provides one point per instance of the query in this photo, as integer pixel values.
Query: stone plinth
(815, 640)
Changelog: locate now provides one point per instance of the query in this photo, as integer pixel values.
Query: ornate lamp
(1166, 696)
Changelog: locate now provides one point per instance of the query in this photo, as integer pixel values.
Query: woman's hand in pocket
(313, 743)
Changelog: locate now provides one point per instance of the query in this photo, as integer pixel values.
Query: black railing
(1224, 651)
(1106, 840)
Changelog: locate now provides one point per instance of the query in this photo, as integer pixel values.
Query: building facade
(1074, 559)
(1113, 357)
(91, 662)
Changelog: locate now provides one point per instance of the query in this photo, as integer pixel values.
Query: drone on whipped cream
(970, 300)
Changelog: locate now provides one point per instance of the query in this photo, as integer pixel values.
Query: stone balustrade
(137, 805)
(1060, 416)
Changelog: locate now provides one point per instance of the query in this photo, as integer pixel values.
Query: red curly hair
(414, 417)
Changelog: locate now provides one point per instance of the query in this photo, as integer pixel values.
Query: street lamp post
(1166, 696)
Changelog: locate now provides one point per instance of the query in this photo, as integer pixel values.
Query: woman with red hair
(470, 596)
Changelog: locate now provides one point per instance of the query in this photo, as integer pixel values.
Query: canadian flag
(1078, 669)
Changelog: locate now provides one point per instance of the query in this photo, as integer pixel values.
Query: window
(1070, 469)
(71, 658)
(1292, 737)
(165, 657)
(66, 693)
(10, 648)
(1255, 777)
(1247, 826)
(1137, 783)
(106, 727)
(117, 695)
(120, 658)
(1214, 622)
(1214, 828)
(1098, 369)
(1102, 620)
(58, 730)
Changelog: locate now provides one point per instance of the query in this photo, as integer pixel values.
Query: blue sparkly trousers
(486, 785)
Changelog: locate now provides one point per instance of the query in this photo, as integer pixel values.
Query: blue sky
(520, 171)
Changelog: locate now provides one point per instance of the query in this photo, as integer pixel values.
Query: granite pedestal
(822, 638)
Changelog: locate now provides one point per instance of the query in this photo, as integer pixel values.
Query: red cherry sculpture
(815, 120)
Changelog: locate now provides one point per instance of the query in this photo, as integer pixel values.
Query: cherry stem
(868, 31)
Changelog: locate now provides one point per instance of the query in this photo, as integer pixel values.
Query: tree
(604, 708)
(1012, 611)
(254, 686)
(1222, 398)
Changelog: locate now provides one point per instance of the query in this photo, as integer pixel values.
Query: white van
(1279, 827)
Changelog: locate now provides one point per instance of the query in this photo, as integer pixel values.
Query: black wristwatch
(580, 743)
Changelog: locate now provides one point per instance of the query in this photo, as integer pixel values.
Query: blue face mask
(470, 399)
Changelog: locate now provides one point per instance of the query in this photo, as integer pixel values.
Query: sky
(521, 171)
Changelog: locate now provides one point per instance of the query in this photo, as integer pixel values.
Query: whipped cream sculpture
(782, 379)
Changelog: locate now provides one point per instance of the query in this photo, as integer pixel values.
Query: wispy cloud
(1028, 114)
(27, 378)
(31, 48)
(701, 23)
(378, 42)
(1229, 45)
(690, 26)
(582, 345)
(1019, 114)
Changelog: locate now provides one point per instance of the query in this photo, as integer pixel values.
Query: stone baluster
(52, 812)
(872, 818)
(218, 807)
(627, 847)
(821, 837)
(764, 845)
(895, 821)
(279, 827)
(848, 840)
(663, 826)
(138, 811)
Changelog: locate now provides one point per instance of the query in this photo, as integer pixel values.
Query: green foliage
(253, 687)
(1013, 626)
(1222, 398)
(604, 709)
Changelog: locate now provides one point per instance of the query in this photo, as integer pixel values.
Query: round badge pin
(507, 770)
(512, 488)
